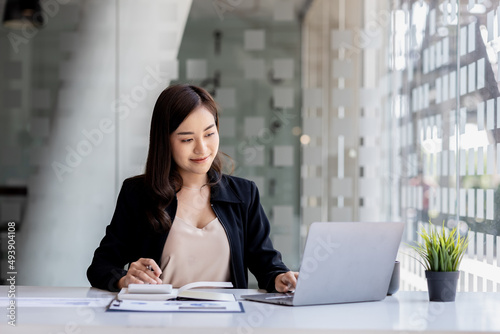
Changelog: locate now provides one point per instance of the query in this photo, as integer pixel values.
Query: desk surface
(403, 312)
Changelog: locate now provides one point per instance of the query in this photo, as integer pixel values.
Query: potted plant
(441, 253)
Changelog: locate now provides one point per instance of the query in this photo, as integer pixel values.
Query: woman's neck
(194, 181)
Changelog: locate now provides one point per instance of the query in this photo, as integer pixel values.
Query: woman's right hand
(142, 271)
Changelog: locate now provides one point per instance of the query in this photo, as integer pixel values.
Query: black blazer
(236, 203)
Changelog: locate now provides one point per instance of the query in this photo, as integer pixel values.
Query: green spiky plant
(441, 251)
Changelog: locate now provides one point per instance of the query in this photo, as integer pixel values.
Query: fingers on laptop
(286, 282)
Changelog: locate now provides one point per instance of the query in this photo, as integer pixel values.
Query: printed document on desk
(176, 306)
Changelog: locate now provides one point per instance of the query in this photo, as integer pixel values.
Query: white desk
(403, 312)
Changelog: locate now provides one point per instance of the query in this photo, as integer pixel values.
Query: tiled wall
(254, 71)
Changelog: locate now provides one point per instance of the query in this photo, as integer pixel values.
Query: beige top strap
(194, 254)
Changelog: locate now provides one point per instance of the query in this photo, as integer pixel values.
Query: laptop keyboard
(288, 295)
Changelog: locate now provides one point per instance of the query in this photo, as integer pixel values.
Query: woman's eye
(210, 134)
(186, 140)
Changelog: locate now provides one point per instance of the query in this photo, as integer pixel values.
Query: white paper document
(57, 302)
(176, 306)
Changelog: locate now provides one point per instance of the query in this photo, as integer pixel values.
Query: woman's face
(195, 143)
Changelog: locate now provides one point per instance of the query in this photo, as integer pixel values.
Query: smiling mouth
(200, 160)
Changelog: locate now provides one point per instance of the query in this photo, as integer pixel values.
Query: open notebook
(166, 292)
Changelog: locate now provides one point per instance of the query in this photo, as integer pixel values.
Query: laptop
(343, 263)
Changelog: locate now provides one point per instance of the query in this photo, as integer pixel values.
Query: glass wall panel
(407, 124)
(451, 89)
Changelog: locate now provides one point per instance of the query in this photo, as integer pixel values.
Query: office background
(338, 110)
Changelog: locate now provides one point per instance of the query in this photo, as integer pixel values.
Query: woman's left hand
(286, 282)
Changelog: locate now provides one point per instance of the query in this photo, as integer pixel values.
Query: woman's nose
(200, 146)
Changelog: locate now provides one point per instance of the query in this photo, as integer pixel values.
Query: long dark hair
(161, 176)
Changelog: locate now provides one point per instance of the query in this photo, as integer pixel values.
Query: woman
(184, 220)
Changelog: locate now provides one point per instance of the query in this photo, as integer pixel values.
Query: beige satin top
(194, 254)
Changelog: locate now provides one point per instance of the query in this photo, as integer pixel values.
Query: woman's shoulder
(134, 184)
(237, 181)
(236, 189)
(243, 188)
